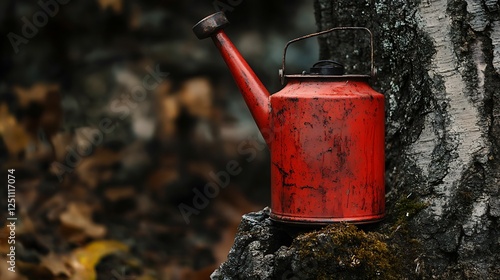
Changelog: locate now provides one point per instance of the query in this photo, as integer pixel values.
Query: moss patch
(346, 252)
(405, 208)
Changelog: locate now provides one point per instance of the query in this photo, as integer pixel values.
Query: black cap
(210, 24)
(327, 67)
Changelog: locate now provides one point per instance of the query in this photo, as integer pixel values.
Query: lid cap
(327, 67)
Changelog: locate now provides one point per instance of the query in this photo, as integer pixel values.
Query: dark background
(80, 67)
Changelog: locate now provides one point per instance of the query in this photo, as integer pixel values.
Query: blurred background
(114, 116)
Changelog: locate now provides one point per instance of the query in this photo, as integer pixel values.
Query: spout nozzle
(209, 25)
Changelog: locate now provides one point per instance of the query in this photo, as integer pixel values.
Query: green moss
(345, 252)
(405, 208)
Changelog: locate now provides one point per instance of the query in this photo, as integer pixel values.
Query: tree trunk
(438, 65)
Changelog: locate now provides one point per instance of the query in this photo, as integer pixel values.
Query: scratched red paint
(327, 153)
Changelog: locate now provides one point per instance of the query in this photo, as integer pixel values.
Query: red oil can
(325, 131)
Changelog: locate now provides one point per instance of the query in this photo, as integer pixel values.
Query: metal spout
(255, 94)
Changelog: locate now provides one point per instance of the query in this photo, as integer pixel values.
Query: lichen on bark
(437, 65)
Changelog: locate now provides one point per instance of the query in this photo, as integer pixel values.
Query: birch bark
(438, 65)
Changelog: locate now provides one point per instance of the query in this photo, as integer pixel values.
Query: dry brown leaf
(25, 131)
(61, 142)
(53, 207)
(169, 111)
(15, 137)
(37, 93)
(120, 193)
(57, 264)
(116, 5)
(49, 98)
(161, 177)
(94, 169)
(164, 89)
(29, 195)
(79, 216)
(196, 95)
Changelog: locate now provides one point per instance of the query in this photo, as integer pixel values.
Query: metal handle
(282, 72)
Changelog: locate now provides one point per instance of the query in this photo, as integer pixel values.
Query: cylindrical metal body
(327, 152)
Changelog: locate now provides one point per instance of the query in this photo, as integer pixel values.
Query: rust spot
(341, 146)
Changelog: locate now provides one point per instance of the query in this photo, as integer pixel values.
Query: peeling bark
(438, 65)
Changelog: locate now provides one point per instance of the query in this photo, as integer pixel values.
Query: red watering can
(325, 131)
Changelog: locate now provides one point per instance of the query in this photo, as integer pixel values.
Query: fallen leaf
(48, 96)
(85, 259)
(37, 93)
(14, 136)
(79, 216)
(160, 178)
(168, 112)
(119, 193)
(61, 141)
(94, 169)
(57, 264)
(116, 5)
(196, 94)
(53, 207)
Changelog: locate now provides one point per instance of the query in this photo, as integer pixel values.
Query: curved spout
(255, 94)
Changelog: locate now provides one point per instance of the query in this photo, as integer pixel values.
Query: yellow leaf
(14, 136)
(85, 259)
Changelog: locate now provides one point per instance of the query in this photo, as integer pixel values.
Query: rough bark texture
(438, 65)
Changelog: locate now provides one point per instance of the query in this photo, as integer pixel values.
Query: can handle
(282, 72)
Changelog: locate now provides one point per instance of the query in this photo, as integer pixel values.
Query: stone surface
(264, 249)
